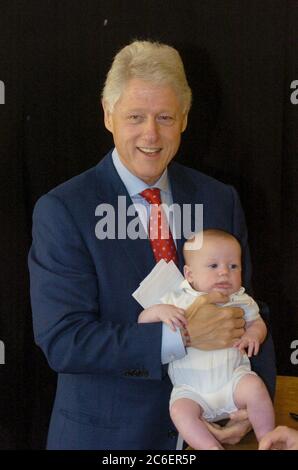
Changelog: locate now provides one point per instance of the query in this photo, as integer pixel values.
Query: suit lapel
(110, 187)
(184, 192)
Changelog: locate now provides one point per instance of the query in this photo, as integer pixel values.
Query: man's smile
(150, 150)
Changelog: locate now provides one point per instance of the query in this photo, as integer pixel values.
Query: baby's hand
(172, 316)
(249, 342)
(169, 314)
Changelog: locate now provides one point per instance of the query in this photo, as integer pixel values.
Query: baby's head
(216, 266)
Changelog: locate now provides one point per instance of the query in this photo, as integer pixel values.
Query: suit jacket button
(172, 434)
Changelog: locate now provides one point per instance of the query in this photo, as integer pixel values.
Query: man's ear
(107, 116)
(184, 122)
(187, 273)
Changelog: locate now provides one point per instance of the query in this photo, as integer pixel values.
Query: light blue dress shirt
(172, 346)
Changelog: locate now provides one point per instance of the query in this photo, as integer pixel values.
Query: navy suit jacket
(112, 391)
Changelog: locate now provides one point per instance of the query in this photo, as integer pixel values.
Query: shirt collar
(135, 185)
(187, 288)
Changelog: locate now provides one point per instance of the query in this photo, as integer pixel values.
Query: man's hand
(235, 429)
(211, 326)
(281, 438)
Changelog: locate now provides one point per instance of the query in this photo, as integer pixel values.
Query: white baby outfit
(210, 377)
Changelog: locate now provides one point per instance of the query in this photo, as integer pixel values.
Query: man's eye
(135, 118)
(165, 119)
(213, 265)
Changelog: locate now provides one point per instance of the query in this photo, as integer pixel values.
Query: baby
(209, 385)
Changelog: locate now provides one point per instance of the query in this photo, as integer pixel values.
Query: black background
(240, 57)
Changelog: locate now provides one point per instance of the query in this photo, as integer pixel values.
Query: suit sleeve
(67, 323)
(264, 363)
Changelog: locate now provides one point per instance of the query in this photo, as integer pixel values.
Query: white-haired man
(113, 389)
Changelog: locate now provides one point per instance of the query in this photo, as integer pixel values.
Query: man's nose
(150, 131)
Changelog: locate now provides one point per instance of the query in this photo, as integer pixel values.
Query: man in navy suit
(113, 389)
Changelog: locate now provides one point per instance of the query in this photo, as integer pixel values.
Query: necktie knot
(152, 195)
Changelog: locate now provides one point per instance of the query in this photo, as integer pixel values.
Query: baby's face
(216, 267)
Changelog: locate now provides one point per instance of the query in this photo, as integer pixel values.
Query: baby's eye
(213, 265)
(233, 266)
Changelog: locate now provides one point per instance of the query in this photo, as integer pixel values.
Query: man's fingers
(198, 302)
(236, 313)
(270, 443)
(239, 415)
(237, 333)
(211, 298)
(234, 430)
(265, 443)
(215, 298)
(211, 326)
(279, 438)
(239, 323)
(231, 433)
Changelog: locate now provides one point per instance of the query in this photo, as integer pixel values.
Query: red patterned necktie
(160, 236)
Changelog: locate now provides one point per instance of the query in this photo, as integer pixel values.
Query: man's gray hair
(151, 61)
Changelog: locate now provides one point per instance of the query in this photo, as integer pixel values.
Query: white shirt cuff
(172, 346)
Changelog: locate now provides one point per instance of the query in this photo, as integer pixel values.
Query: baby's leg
(251, 393)
(186, 415)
